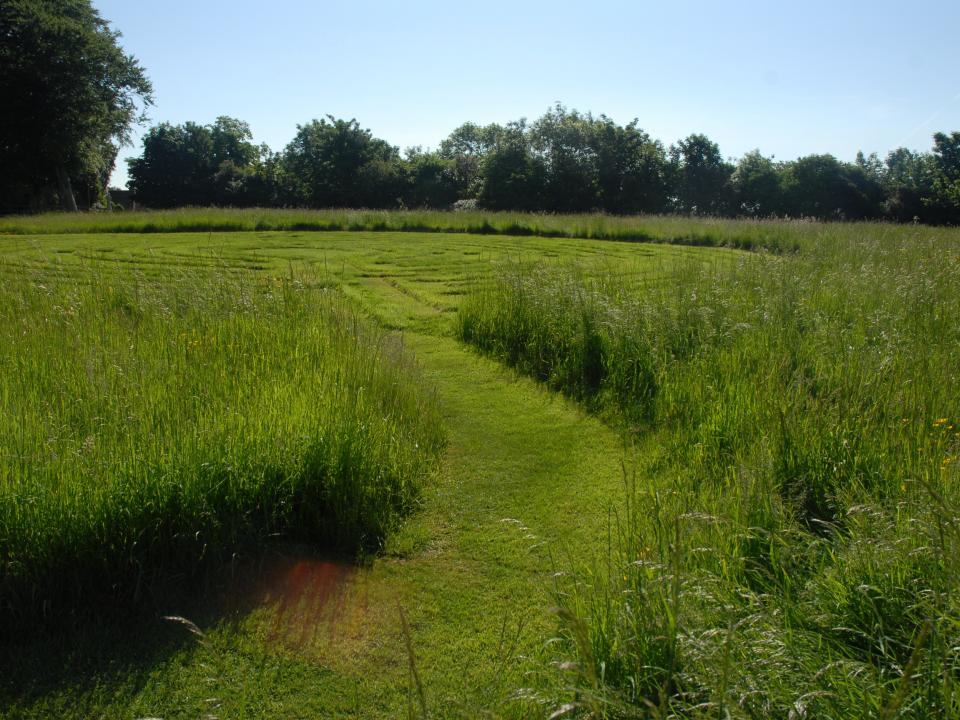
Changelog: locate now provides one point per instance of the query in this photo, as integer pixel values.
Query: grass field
(781, 235)
(156, 422)
(469, 568)
(773, 235)
(794, 540)
(744, 505)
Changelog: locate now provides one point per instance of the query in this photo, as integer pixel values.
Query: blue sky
(788, 78)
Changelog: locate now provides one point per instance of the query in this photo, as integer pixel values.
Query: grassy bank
(155, 425)
(773, 235)
(791, 549)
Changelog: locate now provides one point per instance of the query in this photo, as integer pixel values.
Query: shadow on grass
(309, 594)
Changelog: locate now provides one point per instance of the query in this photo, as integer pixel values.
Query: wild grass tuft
(154, 425)
(778, 236)
(791, 550)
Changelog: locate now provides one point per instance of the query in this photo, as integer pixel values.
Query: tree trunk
(67, 201)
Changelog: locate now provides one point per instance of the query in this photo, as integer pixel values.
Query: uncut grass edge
(803, 499)
(773, 235)
(157, 428)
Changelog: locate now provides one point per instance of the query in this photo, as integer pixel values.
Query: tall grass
(150, 427)
(774, 235)
(792, 547)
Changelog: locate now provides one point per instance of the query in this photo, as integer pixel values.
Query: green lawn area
(525, 490)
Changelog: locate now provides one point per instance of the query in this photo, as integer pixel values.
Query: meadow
(158, 423)
(722, 483)
(772, 235)
(790, 543)
(649, 228)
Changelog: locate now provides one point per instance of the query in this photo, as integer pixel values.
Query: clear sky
(788, 78)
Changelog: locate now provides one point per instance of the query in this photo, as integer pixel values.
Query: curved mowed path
(526, 490)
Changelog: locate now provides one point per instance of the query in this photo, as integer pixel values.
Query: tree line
(71, 94)
(564, 161)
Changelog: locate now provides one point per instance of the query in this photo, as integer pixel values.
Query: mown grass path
(526, 488)
(527, 477)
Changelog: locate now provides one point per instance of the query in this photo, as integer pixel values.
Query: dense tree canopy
(194, 164)
(512, 176)
(564, 161)
(336, 163)
(69, 96)
(945, 200)
(632, 170)
(467, 146)
(700, 176)
(755, 186)
(564, 142)
(431, 180)
(908, 181)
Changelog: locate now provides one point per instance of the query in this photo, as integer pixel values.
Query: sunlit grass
(774, 235)
(793, 543)
(788, 541)
(153, 425)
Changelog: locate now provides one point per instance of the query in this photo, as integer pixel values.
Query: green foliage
(432, 180)
(908, 181)
(339, 164)
(199, 165)
(569, 162)
(70, 95)
(513, 177)
(700, 176)
(153, 425)
(945, 200)
(563, 162)
(467, 146)
(632, 171)
(562, 140)
(756, 186)
(820, 186)
(794, 538)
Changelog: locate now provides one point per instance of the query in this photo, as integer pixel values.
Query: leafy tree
(431, 180)
(69, 97)
(231, 140)
(471, 139)
(467, 146)
(945, 196)
(866, 175)
(631, 168)
(700, 175)
(562, 140)
(821, 186)
(570, 162)
(946, 154)
(193, 164)
(908, 180)
(174, 168)
(512, 177)
(756, 186)
(339, 164)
